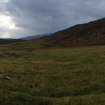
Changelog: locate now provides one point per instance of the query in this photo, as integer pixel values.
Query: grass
(60, 76)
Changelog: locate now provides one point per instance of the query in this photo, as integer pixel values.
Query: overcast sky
(20, 18)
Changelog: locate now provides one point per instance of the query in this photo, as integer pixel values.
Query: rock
(5, 77)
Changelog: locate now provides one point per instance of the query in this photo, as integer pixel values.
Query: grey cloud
(46, 16)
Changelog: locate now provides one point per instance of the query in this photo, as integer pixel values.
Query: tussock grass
(66, 76)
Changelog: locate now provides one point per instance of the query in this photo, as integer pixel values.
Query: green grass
(66, 76)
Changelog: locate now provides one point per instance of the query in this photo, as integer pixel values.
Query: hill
(92, 33)
(88, 34)
(32, 37)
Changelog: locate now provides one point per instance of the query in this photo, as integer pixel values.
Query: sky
(20, 18)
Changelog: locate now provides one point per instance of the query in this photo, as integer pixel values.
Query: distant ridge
(32, 37)
(7, 41)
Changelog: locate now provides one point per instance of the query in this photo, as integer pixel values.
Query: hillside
(92, 33)
(88, 34)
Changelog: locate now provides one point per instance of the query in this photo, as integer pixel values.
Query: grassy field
(65, 76)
